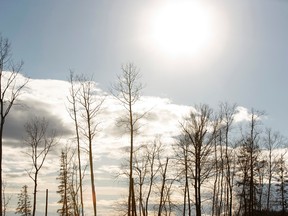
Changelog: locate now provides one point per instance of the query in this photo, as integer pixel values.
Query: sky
(246, 62)
(188, 52)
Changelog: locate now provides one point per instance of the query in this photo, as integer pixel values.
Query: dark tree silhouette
(248, 159)
(91, 105)
(127, 91)
(200, 129)
(64, 188)
(282, 183)
(24, 204)
(272, 141)
(73, 110)
(40, 141)
(10, 89)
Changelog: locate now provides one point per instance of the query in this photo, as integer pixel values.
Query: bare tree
(272, 140)
(10, 89)
(127, 91)
(223, 186)
(73, 189)
(6, 199)
(90, 104)
(73, 185)
(200, 130)
(282, 182)
(153, 158)
(184, 162)
(73, 114)
(252, 145)
(248, 159)
(141, 167)
(147, 165)
(40, 141)
(162, 200)
(218, 188)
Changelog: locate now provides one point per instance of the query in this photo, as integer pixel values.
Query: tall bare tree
(141, 167)
(10, 89)
(153, 161)
(282, 182)
(249, 158)
(272, 140)
(200, 129)
(127, 90)
(147, 166)
(40, 140)
(163, 196)
(90, 104)
(73, 110)
(224, 146)
(182, 149)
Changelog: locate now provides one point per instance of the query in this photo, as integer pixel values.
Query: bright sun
(183, 29)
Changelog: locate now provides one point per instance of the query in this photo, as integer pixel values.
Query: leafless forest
(217, 165)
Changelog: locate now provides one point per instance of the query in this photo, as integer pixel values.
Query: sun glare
(183, 29)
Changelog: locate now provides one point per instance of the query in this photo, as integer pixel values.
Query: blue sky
(246, 62)
(96, 37)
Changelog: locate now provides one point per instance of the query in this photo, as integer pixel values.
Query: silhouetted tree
(141, 167)
(165, 203)
(282, 183)
(182, 149)
(6, 199)
(148, 171)
(227, 113)
(64, 188)
(73, 110)
(40, 141)
(248, 159)
(200, 129)
(24, 204)
(153, 158)
(127, 91)
(90, 104)
(272, 141)
(10, 88)
(224, 160)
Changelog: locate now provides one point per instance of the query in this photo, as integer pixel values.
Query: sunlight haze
(184, 29)
(187, 53)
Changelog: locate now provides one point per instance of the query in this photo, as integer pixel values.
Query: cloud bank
(48, 99)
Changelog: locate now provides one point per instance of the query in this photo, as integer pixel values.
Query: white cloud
(242, 114)
(49, 99)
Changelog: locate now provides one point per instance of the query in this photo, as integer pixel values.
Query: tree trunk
(73, 101)
(197, 184)
(46, 206)
(1, 154)
(187, 191)
(162, 188)
(92, 179)
(35, 193)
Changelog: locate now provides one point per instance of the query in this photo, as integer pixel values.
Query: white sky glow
(188, 51)
(184, 29)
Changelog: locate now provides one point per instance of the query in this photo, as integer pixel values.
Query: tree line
(217, 165)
